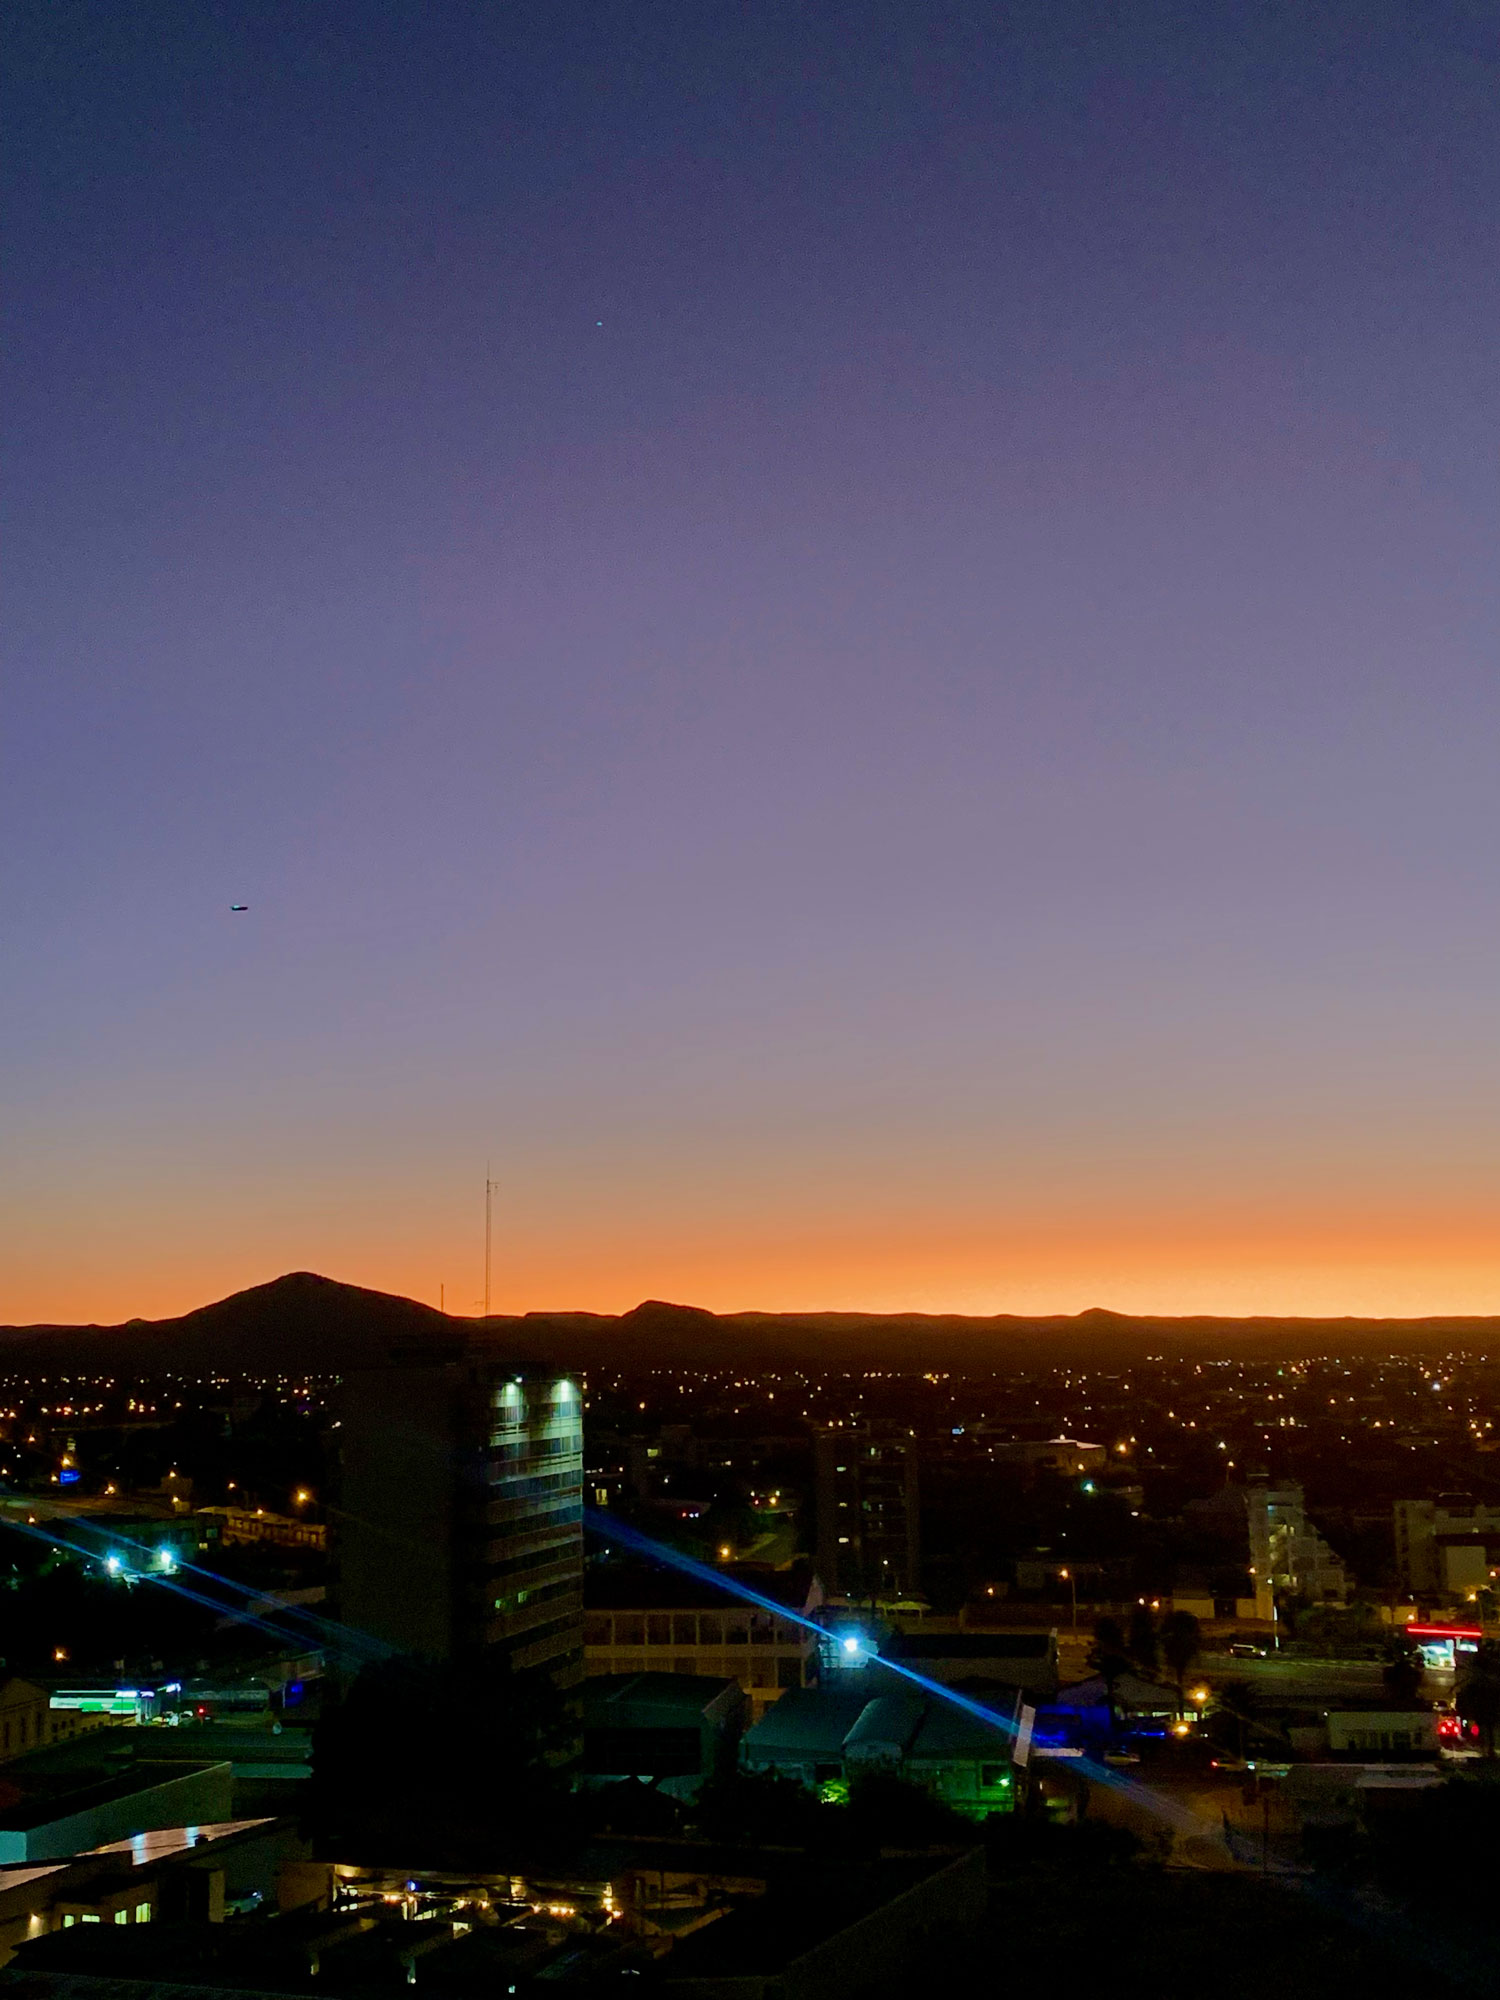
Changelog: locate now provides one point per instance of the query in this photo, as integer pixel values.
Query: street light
(1072, 1583)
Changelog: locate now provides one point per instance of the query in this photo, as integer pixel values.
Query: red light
(1444, 1631)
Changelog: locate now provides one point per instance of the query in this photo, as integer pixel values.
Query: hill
(303, 1323)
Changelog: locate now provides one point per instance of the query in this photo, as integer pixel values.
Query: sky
(853, 642)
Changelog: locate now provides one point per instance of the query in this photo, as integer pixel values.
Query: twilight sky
(858, 639)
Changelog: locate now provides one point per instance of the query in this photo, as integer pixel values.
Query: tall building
(1287, 1550)
(1447, 1547)
(868, 1514)
(459, 1529)
(1268, 1528)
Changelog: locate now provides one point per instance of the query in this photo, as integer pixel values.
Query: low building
(26, 1720)
(674, 1730)
(694, 1921)
(1091, 1714)
(1068, 1458)
(642, 1620)
(107, 1786)
(258, 1524)
(830, 1936)
(1407, 1730)
(824, 1737)
(980, 1661)
(204, 1871)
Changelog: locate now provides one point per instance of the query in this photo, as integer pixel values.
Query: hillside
(305, 1323)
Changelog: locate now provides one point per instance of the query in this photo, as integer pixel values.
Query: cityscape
(749, 1086)
(453, 1668)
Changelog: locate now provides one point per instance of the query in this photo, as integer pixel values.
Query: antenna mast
(489, 1188)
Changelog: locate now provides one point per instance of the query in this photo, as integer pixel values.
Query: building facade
(826, 1737)
(1448, 1547)
(459, 1525)
(869, 1510)
(651, 1621)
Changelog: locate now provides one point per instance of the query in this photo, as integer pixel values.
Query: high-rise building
(868, 1514)
(1283, 1551)
(459, 1524)
(1286, 1551)
(1448, 1547)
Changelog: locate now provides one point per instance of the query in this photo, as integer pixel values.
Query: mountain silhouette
(304, 1323)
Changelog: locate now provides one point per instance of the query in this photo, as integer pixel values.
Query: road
(1286, 1677)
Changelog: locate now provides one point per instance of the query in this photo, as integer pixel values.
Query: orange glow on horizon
(1368, 1266)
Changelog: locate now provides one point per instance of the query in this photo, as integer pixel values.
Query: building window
(658, 1631)
(122, 1916)
(143, 1913)
(685, 1631)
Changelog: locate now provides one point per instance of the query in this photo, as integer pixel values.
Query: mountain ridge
(307, 1323)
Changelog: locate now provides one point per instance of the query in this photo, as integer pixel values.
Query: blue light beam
(1177, 1816)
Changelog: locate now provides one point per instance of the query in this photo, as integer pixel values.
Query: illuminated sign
(1440, 1645)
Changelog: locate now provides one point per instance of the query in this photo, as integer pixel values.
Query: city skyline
(857, 643)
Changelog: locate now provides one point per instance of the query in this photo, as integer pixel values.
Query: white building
(1448, 1547)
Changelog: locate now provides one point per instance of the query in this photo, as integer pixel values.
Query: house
(824, 1737)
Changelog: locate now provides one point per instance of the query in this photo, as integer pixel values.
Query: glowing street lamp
(1071, 1581)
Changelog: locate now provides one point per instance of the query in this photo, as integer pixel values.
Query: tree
(422, 1759)
(1181, 1643)
(1477, 1696)
(1108, 1658)
(1403, 1669)
(1234, 1711)
(887, 1810)
(761, 1808)
(1140, 1641)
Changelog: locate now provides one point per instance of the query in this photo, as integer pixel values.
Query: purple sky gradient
(945, 754)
